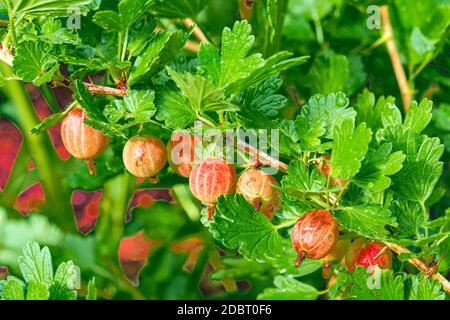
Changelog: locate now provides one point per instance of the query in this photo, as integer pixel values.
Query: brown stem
(91, 167)
(197, 31)
(395, 58)
(264, 158)
(421, 266)
(192, 46)
(301, 256)
(211, 208)
(101, 90)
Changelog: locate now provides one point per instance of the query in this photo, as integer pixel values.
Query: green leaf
(289, 289)
(319, 117)
(109, 20)
(418, 116)
(37, 291)
(92, 290)
(301, 180)
(66, 273)
(377, 166)
(425, 288)
(349, 148)
(59, 291)
(36, 264)
(162, 50)
(274, 65)
(264, 99)
(59, 8)
(34, 63)
(209, 57)
(64, 282)
(441, 117)
(358, 74)
(382, 285)
(131, 10)
(261, 103)
(202, 94)
(137, 105)
(409, 217)
(13, 289)
(236, 44)
(368, 220)
(48, 123)
(369, 110)
(420, 173)
(329, 73)
(420, 43)
(240, 227)
(179, 8)
(173, 109)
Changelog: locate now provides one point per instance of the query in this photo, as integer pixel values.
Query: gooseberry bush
(266, 149)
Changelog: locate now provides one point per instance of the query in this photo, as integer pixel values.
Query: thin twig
(197, 31)
(192, 46)
(264, 158)
(101, 90)
(395, 58)
(422, 266)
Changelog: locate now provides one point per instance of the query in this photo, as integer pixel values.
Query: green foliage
(240, 227)
(310, 72)
(40, 281)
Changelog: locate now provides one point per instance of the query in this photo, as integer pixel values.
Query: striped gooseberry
(81, 140)
(210, 179)
(314, 235)
(260, 189)
(144, 157)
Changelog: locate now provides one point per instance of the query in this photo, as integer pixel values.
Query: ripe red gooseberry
(368, 254)
(81, 140)
(260, 189)
(314, 235)
(210, 179)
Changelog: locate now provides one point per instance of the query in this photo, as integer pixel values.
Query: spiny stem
(263, 157)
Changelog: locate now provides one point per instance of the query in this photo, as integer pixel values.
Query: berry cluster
(315, 235)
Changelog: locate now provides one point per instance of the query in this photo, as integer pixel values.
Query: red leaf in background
(146, 197)
(3, 273)
(86, 206)
(10, 143)
(193, 247)
(43, 111)
(133, 253)
(31, 199)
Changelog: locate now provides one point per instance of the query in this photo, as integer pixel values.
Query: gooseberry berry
(368, 254)
(210, 179)
(81, 140)
(314, 235)
(144, 157)
(260, 189)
